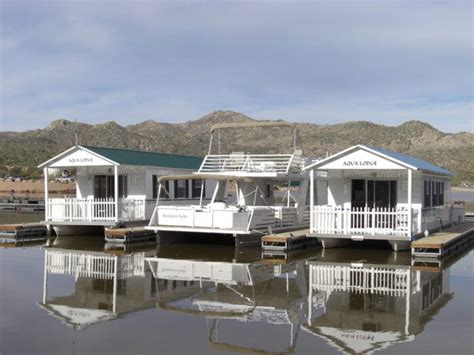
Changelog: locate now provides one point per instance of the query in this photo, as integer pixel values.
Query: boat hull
(334, 242)
(77, 230)
(239, 238)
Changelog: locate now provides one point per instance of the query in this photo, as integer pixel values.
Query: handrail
(279, 163)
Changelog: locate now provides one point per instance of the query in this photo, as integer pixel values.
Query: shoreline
(462, 189)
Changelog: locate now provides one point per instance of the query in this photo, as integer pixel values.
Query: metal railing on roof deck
(255, 163)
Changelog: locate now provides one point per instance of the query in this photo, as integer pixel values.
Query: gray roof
(420, 164)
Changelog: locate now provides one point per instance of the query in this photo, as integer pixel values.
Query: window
(196, 188)
(165, 188)
(441, 193)
(427, 196)
(269, 191)
(181, 189)
(433, 193)
(104, 186)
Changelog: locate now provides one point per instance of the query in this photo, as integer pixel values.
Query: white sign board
(361, 160)
(80, 157)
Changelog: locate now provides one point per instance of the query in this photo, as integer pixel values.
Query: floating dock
(446, 242)
(22, 231)
(128, 235)
(22, 205)
(288, 241)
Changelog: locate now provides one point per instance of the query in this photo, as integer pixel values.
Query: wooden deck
(448, 241)
(128, 235)
(23, 231)
(288, 240)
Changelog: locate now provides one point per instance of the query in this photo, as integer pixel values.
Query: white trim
(410, 193)
(116, 191)
(45, 173)
(362, 147)
(71, 150)
(60, 155)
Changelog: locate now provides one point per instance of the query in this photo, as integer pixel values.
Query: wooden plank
(19, 226)
(281, 237)
(445, 237)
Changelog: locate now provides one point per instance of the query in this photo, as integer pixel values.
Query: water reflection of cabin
(374, 193)
(114, 186)
(359, 308)
(105, 285)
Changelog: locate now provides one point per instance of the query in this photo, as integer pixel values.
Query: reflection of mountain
(361, 307)
(242, 300)
(106, 285)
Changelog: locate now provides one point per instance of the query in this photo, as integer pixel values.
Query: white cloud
(335, 61)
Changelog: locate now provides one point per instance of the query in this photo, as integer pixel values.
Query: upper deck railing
(253, 163)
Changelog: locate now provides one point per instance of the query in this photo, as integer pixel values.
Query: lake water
(462, 195)
(80, 297)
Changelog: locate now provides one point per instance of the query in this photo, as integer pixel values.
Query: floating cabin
(116, 187)
(376, 194)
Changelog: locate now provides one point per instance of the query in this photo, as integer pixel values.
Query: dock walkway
(128, 235)
(288, 240)
(23, 231)
(448, 241)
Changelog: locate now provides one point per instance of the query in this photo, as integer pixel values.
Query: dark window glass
(393, 194)
(196, 188)
(154, 185)
(427, 199)
(165, 188)
(358, 193)
(181, 189)
(432, 193)
(370, 193)
(441, 193)
(104, 186)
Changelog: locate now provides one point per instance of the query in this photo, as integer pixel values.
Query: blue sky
(323, 62)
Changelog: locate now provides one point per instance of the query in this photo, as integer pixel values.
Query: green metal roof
(134, 157)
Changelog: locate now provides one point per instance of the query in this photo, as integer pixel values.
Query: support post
(114, 296)
(45, 173)
(311, 200)
(45, 278)
(116, 191)
(202, 193)
(407, 301)
(410, 212)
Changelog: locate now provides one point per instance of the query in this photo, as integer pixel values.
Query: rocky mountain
(24, 150)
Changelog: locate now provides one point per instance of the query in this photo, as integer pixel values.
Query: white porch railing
(374, 279)
(93, 264)
(94, 210)
(339, 220)
(260, 163)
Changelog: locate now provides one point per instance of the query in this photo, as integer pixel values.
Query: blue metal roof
(420, 164)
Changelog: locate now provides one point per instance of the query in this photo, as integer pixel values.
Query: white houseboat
(254, 207)
(113, 187)
(374, 193)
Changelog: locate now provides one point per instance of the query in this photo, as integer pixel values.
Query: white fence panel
(362, 220)
(93, 210)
